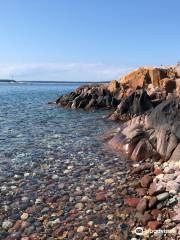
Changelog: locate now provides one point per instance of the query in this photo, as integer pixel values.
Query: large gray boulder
(155, 134)
(176, 154)
(166, 115)
(166, 142)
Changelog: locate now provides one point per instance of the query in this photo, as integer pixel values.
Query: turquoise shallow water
(32, 130)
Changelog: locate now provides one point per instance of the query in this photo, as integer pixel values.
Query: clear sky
(82, 40)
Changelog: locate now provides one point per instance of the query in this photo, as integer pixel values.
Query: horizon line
(49, 81)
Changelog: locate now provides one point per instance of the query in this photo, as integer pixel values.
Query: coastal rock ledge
(146, 103)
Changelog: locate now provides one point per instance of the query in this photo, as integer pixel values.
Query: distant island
(7, 80)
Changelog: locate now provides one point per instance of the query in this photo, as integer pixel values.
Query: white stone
(95, 235)
(81, 229)
(54, 177)
(26, 174)
(85, 199)
(3, 188)
(110, 217)
(24, 216)
(52, 223)
(79, 206)
(38, 200)
(7, 224)
(109, 181)
(78, 189)
(66, 171)
(24, 199)
(17, 176)
(70, 167)
(90, 223)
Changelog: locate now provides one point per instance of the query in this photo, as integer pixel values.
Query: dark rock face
(170, 86)
(88, 97)
(135, 104)
(67, 98)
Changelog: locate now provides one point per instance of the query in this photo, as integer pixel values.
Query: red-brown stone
(146, 180)
(100, 197)
(158, 171)
(145, 218)
(155, 213)
(141, 192)
(131, 202)
(59, 231)
(142, 150)
(142, 205)
(152, 202)
(171, 214)
(16, 226)
(155, 189)
(153, 225)
(145, 166)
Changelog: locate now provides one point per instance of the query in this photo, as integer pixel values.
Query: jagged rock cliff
(133, 94)
(147, 92)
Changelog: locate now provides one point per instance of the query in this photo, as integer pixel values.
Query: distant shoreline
(67, 82)
(7, 81)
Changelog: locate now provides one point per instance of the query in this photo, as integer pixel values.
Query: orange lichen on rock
(144, 76)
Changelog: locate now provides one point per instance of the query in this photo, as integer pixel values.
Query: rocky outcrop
(133, 94)
(166, 115)
(88, 97)
(154, 126)
(157, 133)
(137, 103)
(177, 70)
(137, 78)
(114, 87)
(144, 76)
(152, 141)
(154, 113)
(147, 103)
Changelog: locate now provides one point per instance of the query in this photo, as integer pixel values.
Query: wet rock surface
(90, 96)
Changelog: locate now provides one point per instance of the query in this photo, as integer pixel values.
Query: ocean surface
(32, 130)
(50, 157)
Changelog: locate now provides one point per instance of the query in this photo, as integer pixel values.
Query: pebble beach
(58, 180)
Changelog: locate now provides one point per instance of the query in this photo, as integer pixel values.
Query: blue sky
(86, 40)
